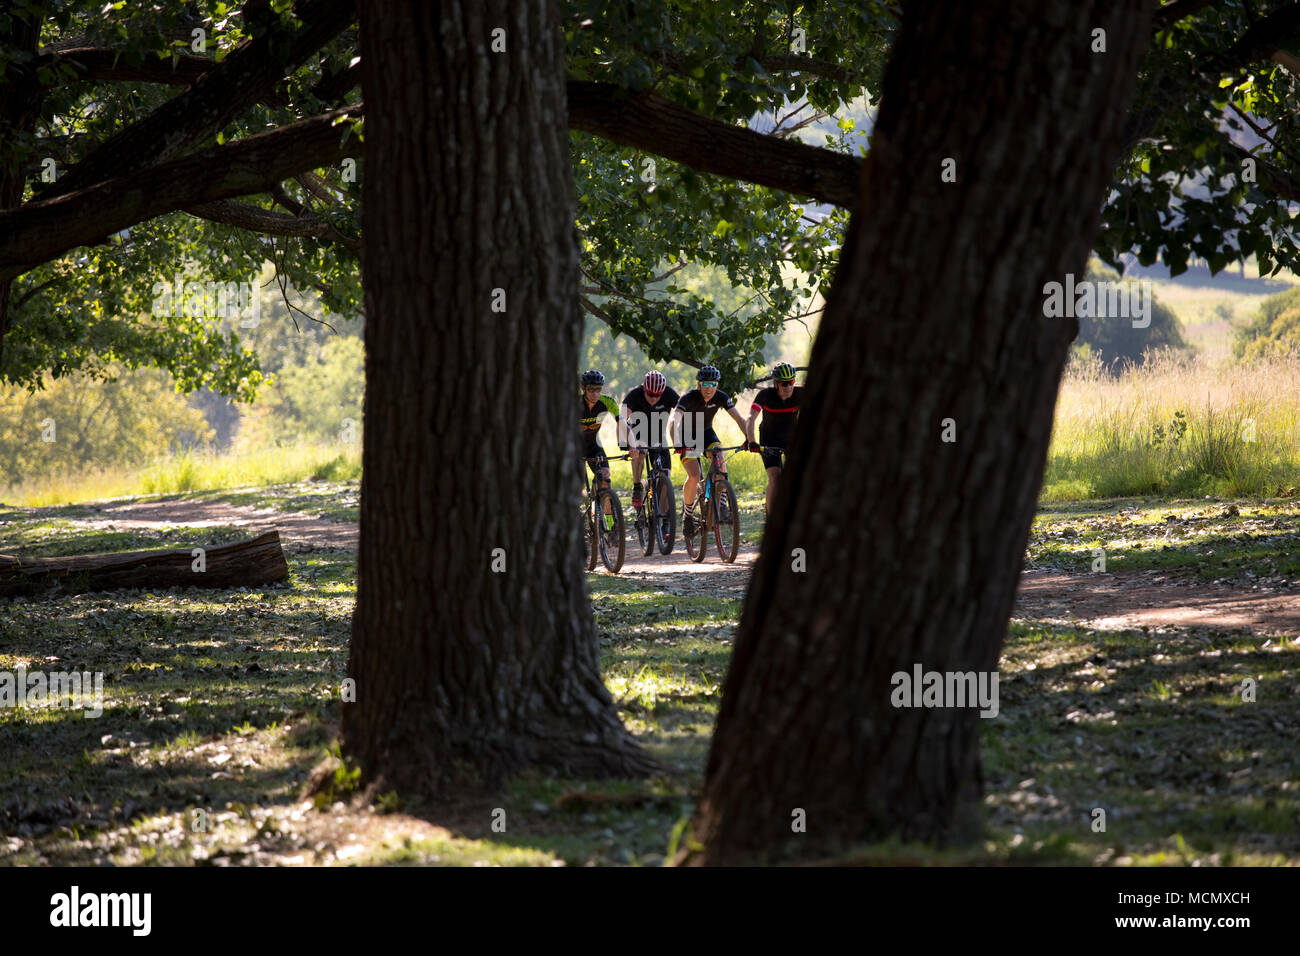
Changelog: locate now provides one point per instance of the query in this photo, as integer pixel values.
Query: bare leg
(692, 466)
(772, 475)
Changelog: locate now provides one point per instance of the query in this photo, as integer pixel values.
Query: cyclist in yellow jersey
(595, 408)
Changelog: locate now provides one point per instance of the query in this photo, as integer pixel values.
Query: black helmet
(708, 374)
(783, 372)
(592, 377)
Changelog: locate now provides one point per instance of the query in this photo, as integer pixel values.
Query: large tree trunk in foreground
(465, 674)
(259, 560)
(913, 545)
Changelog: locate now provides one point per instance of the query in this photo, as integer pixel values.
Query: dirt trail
(1143, 598)
(297, 531)
(1106, 601)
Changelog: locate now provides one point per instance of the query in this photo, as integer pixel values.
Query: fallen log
(256, 561)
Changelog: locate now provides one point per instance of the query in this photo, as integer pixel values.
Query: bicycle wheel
(646, 530)
(613, 540)
(726, 520)
(665, 517)
(589, 534)
(696, 540)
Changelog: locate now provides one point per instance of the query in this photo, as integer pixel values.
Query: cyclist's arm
(622, 427)
(735, 414)
(672, 427)
(749, 425)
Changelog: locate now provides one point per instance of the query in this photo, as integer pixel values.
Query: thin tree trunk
(913, 545)
(465, 674)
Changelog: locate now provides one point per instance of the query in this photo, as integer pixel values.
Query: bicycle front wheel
(646, 525)
(613, 540)
(665, 517)
(589, 533)
(696, 537)
(726, 520)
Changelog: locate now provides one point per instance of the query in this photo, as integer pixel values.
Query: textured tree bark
(19, 102)
(913, 545)
(245, 76)
(41, 230)
(259, 560)
(466, 674)
(648, 121)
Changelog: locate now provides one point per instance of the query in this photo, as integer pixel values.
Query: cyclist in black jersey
(646, 410)
(780, 407)
(691, 428)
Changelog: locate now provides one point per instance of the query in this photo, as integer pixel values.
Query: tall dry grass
(193, 471)
(1177, 425)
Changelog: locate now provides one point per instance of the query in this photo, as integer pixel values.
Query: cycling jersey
(592, 416)
(693, 403)
(779, 416)
(647, 424)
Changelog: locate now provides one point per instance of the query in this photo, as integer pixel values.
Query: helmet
(783, 372)
(708, 374)
(592, 377)
(654, 382)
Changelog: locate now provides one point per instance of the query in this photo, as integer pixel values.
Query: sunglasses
(785, 384)
(653, 395)
(708, 384)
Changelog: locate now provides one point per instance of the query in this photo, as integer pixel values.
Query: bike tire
(589, 537)
(613, 542)
(645, 532)
(695, 543)
(666, 517)
(726, 520)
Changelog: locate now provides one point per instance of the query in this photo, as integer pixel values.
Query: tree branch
(247, 75)
(42, 230)
(245, 216)
(601, 314)
(97, 64)
(649, 122)
(807, 64)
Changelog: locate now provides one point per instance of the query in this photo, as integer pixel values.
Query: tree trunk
(259, 560)
(466, 674)
(913, 545)
(19, 104)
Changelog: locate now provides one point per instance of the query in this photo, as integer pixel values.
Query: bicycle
(716, 503)
(603, 530)
(656, 518)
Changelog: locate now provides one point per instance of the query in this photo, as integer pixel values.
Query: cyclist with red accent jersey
(779, 405)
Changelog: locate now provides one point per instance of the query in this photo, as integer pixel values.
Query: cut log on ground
(257, 561)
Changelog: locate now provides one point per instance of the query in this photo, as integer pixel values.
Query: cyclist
(702, 404)
(779, 404)
(646, 410)
(595, 407)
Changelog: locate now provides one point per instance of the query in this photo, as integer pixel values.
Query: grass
(1177, 427)
(220, 704)
(1238, 543)
(195, 471)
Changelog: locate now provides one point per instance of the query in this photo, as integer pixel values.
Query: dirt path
(1152, 599)
(300, 532)
(1106, 601)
